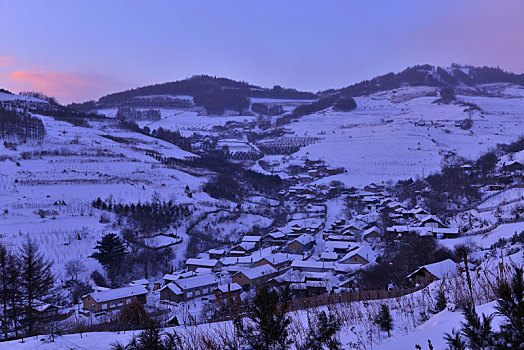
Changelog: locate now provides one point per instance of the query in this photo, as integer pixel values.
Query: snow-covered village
(201, 208)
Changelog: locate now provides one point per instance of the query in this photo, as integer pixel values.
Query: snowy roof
(279, 258)
(246, 246)
(276, 235)
(430, 218)
(202, 262)
(254, 239)
(197, 281)
(304, 239)
(300, 264)
(142, 281)
(229, 287)
(441, 269)
(332, 245)
(371, 230)
(259, 271)
(329, 256)
(363, 251)
(118, 293)
(216, 251)
(173, 287)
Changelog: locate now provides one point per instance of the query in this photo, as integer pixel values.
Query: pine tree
(454, 340)
(324, 333)
(510, 304)
(111, 252)
(478, 331)
(384, 319)
(8, 265)
(36, 280)
(268, 329)
(440, 302)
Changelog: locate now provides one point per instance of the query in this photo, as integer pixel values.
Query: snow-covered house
(431, 221)
(189, 288)
(432, 272)
(362, 255)
(255, 276)
(301, 244)
(114, 298)
(278, 260)
(371, 234)
(312, 266)
(194, 263)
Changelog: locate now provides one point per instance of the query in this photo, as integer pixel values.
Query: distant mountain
(195, 86)
(456, 76)
(204, 87)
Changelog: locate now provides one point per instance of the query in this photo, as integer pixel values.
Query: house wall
(295, 247)
(357, 259)
(90, 304)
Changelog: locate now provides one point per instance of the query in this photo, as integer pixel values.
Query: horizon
(80, 51)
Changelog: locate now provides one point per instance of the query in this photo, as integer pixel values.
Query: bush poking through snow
(384, 319)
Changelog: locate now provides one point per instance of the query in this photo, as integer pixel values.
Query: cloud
(66, 87)
(6, 61)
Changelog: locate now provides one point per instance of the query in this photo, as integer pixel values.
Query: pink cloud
(6, 61)
(66, 87)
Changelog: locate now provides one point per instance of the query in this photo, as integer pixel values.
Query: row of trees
(130, 113)
(25, 279)
(219, 102)
(147, 217)
(21, 124)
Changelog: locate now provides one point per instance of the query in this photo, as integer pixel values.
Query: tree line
(22, 124)
(25, 281)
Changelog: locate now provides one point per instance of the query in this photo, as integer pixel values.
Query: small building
(275, 238)
(141, 282)
(256, 276)
(363, 255)
(301, 244)
(278, 260)
(244, 247)
(432, 272)
(216, 253)
(252, 239)
(171, 292)
(229, 289)
(372, 234)
(431, 221)
(193, 287)
(513, 166)
(114, 298)
(193, 263)
(312, 266)
(329, 256)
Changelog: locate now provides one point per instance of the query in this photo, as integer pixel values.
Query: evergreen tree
(455, 340)
(384, 319)
(510, 304)
(440, 302)
(477, 331)
(36, 280)
(7, 265)
(110, 254)
(323, 334)
(269, 323)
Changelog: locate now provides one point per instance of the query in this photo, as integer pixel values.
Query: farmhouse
(256, 276)
(301, 244)
(192, 264)
(114, 298)
(171, 292)
(278, 260)
(312, 266)
(432, 272)
(431, 221)
(190, 288)
(371, 234)
(362, 255)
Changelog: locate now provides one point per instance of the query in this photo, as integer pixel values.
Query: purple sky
(80, 50)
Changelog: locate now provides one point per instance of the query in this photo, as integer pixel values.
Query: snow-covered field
(403, 134)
